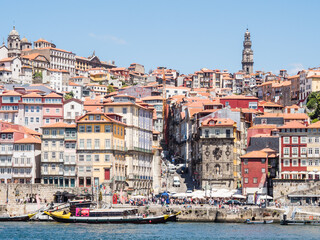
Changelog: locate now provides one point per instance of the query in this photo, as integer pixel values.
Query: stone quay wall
(283, 187)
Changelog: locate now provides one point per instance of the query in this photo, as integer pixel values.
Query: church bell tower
(247, 54)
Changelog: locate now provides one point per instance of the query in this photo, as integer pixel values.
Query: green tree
(110, 89)
(313, 105)
(69, 95)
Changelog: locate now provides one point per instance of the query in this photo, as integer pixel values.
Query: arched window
(207, 167)
(217, 169)
(228, 167)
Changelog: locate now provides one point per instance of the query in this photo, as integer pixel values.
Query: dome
(14, 31)
(24, 40)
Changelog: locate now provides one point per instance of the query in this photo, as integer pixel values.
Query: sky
(179, 34)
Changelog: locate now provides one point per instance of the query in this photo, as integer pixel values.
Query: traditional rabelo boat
(68, 218)
(80, 212)
(22, 218)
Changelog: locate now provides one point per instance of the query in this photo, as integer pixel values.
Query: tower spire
(247, 54)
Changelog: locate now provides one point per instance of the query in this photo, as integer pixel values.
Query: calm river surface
(32, 230)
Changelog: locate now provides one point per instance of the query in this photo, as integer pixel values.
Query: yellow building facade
(101, 150)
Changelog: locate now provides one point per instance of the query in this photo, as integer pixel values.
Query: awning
(301, 196)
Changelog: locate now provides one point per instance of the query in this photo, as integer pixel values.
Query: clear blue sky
(184, 35)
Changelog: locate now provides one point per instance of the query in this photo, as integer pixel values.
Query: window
(57, 110)
(294, 162)
(316, 151)
(263, 160)
(294, 140)
(89, 146)
(206, 133)
(245, 161)
(246, 180)
(286, 163)
(45, 155)
(53, 166)
(316, 139)
(54, 132)
(81, 128)
(107, 128)
(61, 143)
(81, 158)
(310, 151)
(263, 170)
(217, 132)
(246, 170)
(110, 110)
(316, 162)
(47, 110)
(310, 162)
(303, 139)
(89, 128)
(46, 132)
(108, 145)
(96, 144)
(97, 128)
(303, 150)
(286, 140)
(81, 144)
(88, 169)
(47, 120)
(294, 151)
(37, 120)
(286, 151)
(106, 158)
(310, 140)
(81, 168)
(88, 158)
(124, 110)
(61, 155)
(96, 158)
(53, 155)
(255, 180)
(53, 143)
(303, 162)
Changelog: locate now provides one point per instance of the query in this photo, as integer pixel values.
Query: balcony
(70, 163)
(22, 175)
(69, 173)
(22, 164)
(6, 152)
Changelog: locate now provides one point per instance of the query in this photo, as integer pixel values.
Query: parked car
(189, 191)
(176, 181)
(233, 202)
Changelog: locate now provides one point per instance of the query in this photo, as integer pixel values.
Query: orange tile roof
(314, 125)
(29, 140)
(293, 124)
(7, 59)
(218, 122)
(33, 94)
(73, 84)
(59, 125)
(263, 126)
(11, 93)
(10, 130)
(255, 154)
(2, 69)
(53, 94)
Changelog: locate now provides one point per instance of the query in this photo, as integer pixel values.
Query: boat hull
(115, 220)
(259, 222)
(22, 218)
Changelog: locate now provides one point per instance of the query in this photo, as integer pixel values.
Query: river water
(52, 230)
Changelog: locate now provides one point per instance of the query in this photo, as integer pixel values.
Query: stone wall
(12, 191)
(283, 187)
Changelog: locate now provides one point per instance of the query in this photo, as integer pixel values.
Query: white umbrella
(138, 196)
(239, 196)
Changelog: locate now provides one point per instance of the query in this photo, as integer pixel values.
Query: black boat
(173, 217)
(67, 218)
(22, 218)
